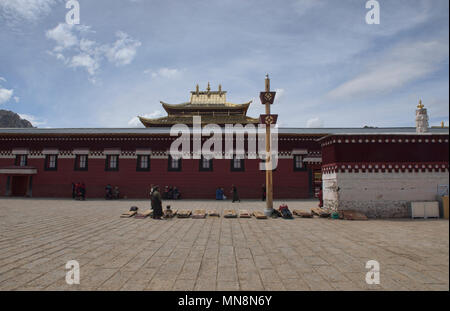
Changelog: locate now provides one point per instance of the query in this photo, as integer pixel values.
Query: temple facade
(375, 170)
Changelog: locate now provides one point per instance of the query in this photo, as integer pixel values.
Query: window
(237, 165)
(81, 162)
(112, 162)
(174, 165)
(51, 162)
(21, 160)
(298, 163)
(206, 165)
(143, 163)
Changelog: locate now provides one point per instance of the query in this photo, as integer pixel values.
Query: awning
(18, 170)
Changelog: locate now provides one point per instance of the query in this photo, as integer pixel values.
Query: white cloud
(167, 73)
(2, 79)
(5, 94)
(123, 51)
(15, 11)
(75, 50)
(16, 99)
(64, 36)
(314, 123)
(135, 122)
(34, 120)
(401, 65)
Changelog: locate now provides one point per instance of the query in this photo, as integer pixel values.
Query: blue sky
(330, 68)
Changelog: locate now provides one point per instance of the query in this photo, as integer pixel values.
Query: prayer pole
(267, 99)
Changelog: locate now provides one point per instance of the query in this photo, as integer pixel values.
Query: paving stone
(36, 241)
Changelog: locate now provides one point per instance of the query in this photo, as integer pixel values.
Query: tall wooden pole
(269, 184)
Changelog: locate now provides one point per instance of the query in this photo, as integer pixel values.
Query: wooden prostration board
(244, 214)
(353, 215)
(144, 214)
(303, 214)
(213, 212)
(199, 214)
(320, 212)
(183, 213)
(259, 215)
(229, 213)
(128, 214)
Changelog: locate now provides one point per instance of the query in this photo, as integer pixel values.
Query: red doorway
(19, 186)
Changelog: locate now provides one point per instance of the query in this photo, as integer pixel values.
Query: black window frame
(170, 168)
(202, 168)
(77, 162)
(237, 169)
(299, 169)
(139, 168)
(18, 158)
(47, 162)
(108, 163)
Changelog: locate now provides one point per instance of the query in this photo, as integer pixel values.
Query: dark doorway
(19, 186)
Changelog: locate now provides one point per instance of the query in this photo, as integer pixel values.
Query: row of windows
(143, 163)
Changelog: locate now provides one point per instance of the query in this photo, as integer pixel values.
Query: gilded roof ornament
(197, 90)
(420, 105)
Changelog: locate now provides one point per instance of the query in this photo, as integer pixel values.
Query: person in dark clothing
(157, 204)
(320, 195)
(74, 192)
(263, 192)
(108, 190)
(235, 194)
(83, 191)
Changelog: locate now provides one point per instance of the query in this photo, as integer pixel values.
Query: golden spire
(208, 89)
(220, 88)
(197, 89)
(420, 105)
(267, 83)
(442, 124)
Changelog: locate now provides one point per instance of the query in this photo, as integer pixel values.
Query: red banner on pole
(268, 119)
(267, 97)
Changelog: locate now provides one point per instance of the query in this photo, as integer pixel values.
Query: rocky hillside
(9, 119)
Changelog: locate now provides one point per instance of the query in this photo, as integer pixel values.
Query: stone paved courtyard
(38, 237)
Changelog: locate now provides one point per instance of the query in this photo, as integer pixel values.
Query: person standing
(235, 194)
(156, 203)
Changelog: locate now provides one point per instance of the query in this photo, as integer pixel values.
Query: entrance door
(19, 186)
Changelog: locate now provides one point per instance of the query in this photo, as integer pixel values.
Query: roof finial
(420, 105)
(267, 83)
(442, 124)
(197, 89)
(220, 88)
(208, 88)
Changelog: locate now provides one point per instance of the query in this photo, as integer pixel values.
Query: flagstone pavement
(39, 236)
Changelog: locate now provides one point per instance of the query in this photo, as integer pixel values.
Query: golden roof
(207, 119)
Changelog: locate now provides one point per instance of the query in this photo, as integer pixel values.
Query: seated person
(168, 213)
(116, 193)
(176, 194)
(108, 192)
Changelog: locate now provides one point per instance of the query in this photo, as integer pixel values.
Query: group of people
(112, 193)
(79, 191)
(171, 193)
(220, 194)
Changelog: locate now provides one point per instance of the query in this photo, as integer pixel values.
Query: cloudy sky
(329, 67)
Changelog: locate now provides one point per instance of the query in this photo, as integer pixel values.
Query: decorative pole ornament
(267, 98)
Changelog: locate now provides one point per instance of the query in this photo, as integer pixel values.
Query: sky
(329, 67)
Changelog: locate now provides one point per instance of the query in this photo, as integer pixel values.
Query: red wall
(191, 182)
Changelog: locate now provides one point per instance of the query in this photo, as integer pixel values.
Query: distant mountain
(9, 119)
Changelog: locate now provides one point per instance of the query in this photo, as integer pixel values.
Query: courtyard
(38, 237)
